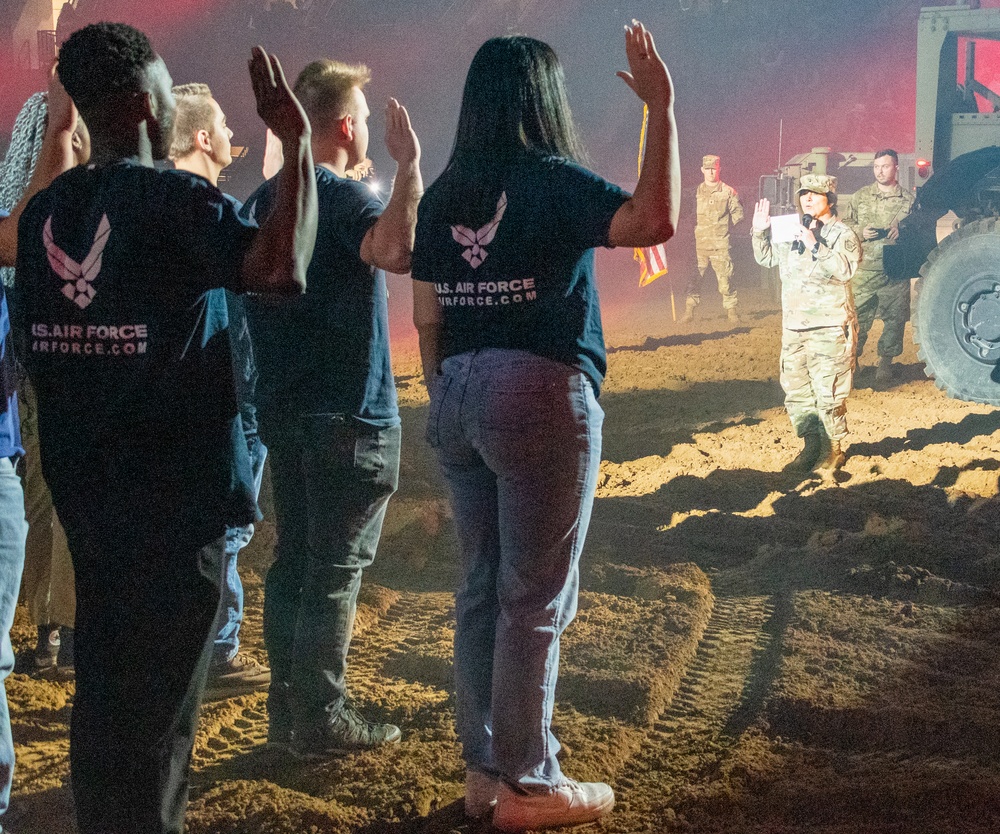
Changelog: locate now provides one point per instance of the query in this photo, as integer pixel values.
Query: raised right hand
(276, 104)
(648, 76)
(400, 139)
(762, 214)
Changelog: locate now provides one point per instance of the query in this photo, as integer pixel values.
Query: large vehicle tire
(956, 317)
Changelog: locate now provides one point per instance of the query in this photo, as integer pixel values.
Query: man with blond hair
(327, 408)
(201, 145)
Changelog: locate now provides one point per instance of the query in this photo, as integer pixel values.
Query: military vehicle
(956, 318)
(852, 170)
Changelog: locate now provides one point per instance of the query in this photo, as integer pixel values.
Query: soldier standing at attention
(718, 208)
(874, 213)
(817, 319)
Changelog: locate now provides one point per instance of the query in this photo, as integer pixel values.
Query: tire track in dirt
(719, 696)
(403, 664)
(399, 669)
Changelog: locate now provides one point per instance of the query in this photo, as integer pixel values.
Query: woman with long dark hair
(506, 306)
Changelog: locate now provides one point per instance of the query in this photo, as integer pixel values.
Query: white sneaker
(480, 793)
(569, 803)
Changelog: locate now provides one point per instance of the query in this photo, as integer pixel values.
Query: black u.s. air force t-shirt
(327, 351)
(525, 278)
(122, 323)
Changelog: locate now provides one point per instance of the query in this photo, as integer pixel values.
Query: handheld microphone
(798, 245)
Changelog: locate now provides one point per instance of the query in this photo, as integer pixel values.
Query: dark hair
(514, 102)
(887, 152)
(102, 60)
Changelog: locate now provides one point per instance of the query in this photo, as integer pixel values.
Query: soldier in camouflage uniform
(718, 208)
(874, 213)
(818, 322)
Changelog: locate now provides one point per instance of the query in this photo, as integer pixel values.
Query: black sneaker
(240, 675)
(347, 731)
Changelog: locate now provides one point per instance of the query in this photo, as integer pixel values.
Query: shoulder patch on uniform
(851, 243)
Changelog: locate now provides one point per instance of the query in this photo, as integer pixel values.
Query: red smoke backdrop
(837, 74)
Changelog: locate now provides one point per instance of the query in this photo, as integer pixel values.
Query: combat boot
(689, 312)
(834, 458)
(733, 315)
(806, 459)
(885, 371)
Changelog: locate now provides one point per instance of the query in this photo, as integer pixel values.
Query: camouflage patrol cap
(709, 161)
(818, 183)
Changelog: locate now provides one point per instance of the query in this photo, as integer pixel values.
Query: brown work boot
(806, 459)
(834, 459)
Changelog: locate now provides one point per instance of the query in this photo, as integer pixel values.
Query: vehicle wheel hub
(977, 321)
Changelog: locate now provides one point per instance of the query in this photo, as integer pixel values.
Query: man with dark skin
(121, 320)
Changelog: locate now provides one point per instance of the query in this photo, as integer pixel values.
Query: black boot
(806, 459)
(47, 647)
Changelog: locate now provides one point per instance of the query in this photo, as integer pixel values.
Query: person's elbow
(654, 228)
(398, 261)
(637, 225)
(395, 257)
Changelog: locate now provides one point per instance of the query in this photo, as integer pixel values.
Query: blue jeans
(332, 477)
(226, 643)
(519, 439)
(13, 531)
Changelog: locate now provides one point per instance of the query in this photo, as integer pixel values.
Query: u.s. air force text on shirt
(486, 293)
(89, 340)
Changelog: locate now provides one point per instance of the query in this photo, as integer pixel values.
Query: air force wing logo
(79, 278)
(477, 241)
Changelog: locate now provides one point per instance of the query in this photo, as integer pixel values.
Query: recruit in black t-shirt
(122, 323)
(525, 279)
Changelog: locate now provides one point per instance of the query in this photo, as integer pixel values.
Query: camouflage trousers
(817, 371)
(874, 294)
(720, 261)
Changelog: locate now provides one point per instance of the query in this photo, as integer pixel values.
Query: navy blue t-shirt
(121, 320)
(10, 427)
(525, 279)
(327, 351)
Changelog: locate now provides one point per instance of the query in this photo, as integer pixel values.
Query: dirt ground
(755, 652)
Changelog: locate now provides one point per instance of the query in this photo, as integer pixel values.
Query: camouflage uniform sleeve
(850, 216)
(910, 200)
(735, 207)
(763, 252)
(842, 259)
